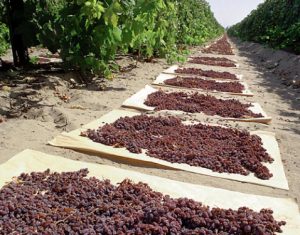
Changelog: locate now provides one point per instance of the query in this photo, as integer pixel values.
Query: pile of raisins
(207, 73)
(213, 61)
(212, 85)
(217, 148)
(71, 203)
(197, 103)
(42, 60)
(221, 47)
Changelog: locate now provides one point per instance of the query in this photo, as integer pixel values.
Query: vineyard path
(49, 116)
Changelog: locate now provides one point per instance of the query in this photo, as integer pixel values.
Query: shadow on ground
(283, 82)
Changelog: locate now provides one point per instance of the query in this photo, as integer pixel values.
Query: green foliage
(3, 39)
(4, 33)
(34, 59)
(2, 12)
(45, 22)
(196, 23)
(275, 23)
(158, 27)
(38, 22)
(149, 27)
(89, 33)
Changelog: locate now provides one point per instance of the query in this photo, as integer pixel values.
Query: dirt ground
(53, 106)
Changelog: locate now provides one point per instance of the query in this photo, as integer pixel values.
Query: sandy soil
(48, 115)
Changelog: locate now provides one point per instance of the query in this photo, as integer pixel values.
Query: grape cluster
(196, 103)
(213, 61)
(207, 73)
(217, 148)
(221, 47)
(71, 203)
(212, 85)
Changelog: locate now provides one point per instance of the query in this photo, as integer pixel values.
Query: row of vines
(89, 33)
(275, 23)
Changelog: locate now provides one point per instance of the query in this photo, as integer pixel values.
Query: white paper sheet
(160, 81)
(73, 140)
(33, 161)
(137, 101)
(172, 69)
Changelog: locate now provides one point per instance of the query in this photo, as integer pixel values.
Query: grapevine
(275, 23)
(88, 34)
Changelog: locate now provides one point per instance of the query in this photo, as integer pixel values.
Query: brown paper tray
(137, 102)
(33, 161)
(73, 140)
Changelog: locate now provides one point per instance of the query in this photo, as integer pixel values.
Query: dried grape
(212, 85)
(214, 61)
(221, 47)
(207, 73)
(42, 60)
(217, 148)
(71, 203)
(196, 103)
